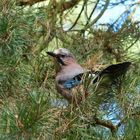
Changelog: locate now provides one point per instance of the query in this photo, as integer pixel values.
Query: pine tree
(29, 103)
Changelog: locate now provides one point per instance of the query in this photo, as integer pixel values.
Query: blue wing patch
(71, 83)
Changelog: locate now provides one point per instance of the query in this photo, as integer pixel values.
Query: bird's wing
(113, 71)
(77, 80)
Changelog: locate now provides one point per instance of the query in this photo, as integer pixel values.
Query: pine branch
(63, 5)
(69, 4)
(105, 123)
(99, 15)
(27, 2)
(78, 15)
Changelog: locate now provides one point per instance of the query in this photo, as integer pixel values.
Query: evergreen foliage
(30, 107)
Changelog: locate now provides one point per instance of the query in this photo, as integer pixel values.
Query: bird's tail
(113, 71)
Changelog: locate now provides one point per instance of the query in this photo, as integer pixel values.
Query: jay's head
(62, 56)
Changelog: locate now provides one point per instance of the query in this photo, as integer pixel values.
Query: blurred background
(98, 33)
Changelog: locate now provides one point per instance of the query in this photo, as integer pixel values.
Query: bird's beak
(56, 57)
(52, 54)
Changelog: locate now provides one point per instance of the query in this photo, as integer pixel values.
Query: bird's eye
(63, 56)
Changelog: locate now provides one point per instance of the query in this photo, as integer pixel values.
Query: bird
(71, 76)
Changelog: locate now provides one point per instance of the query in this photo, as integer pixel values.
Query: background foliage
(30, 107)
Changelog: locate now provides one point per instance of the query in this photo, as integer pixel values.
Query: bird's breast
(68, 72)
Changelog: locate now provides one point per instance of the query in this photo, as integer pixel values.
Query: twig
(99, 16)
(27, 2)
(105, 123)
(63, 5)
(78, 15)
(92, 12)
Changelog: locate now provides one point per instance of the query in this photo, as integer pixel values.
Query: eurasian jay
(70, 76)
